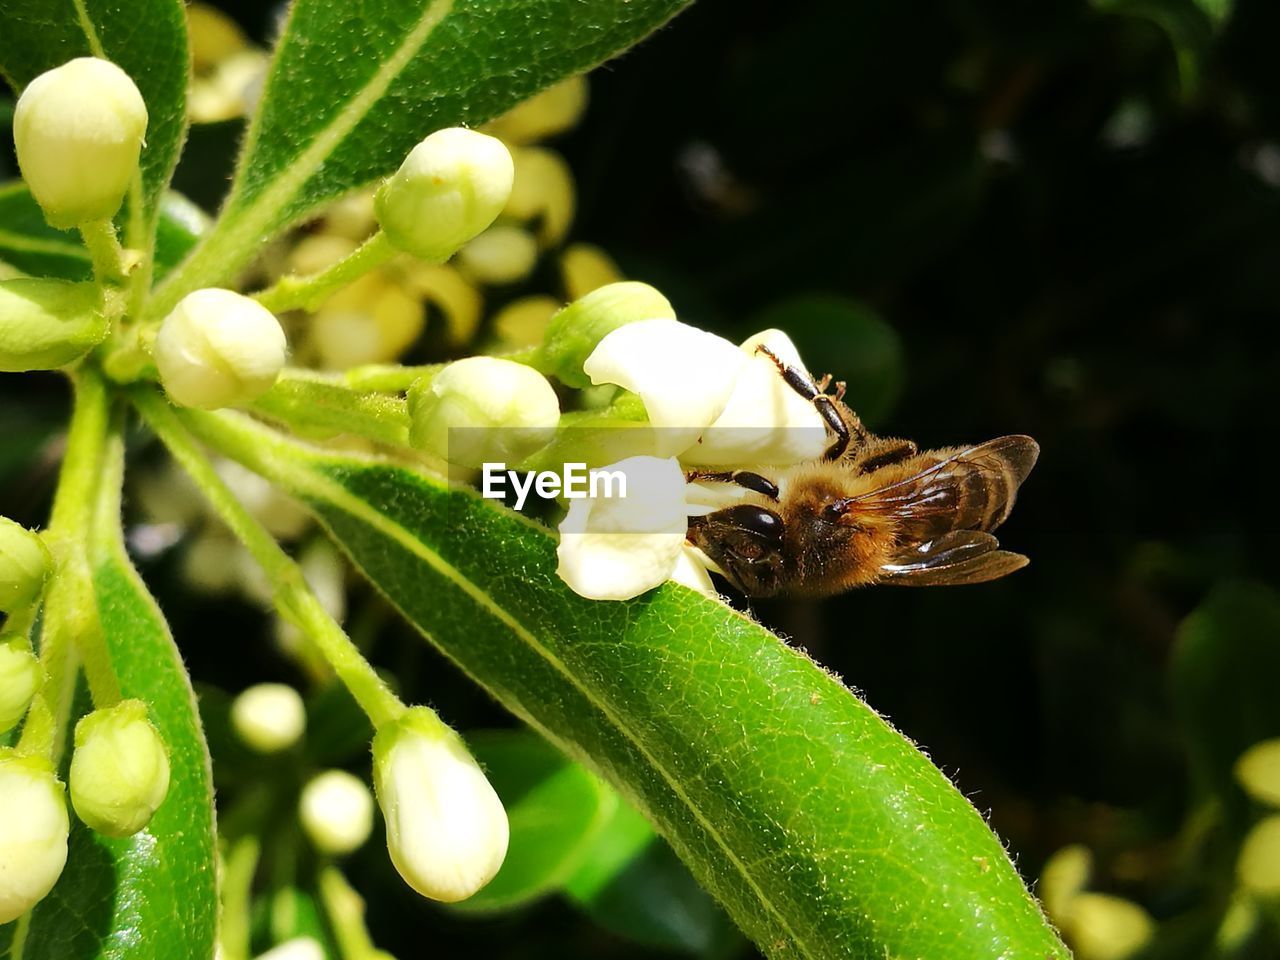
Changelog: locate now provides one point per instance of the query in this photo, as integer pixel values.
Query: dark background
(1051, 218)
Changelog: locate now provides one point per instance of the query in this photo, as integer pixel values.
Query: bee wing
(958, 557)
(969, 489)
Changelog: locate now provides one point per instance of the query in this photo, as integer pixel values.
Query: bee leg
(743, 478)
(841, 421)
(885, 452)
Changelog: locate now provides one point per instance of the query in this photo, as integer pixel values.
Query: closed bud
(119, 770)
(33, 833)
(47, 323)
(20, 678)
(449, 189)
(24, 565)
(78, 129)
(336, 810)
(299, 948)
(502, 254)
(218, 348)
(269, 717)
(483, 409)
(447, 830)
(574, 332)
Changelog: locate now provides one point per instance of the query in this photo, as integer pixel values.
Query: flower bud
(1258, 771)
(20, 678)
(574, 332)
(78, 129)
(119, 770)
(47, 323)
(448, 190)
(33, 833)
(499, 411)
(546, 113)
(1104, 927)
(24, 565)
(502, 254)
(269, 717)
(447, 830)
(585, 267)
(542, 190)
(299, 948)
(218, 348)
(1258, 866)
(336, 810)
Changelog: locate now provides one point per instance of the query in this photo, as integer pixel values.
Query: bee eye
(832, 512)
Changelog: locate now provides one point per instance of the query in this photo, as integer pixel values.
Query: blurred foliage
(1059, 218)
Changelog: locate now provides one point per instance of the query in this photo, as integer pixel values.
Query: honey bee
(872, 510)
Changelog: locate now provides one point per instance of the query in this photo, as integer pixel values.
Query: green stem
(318, 407)
(70, 609)
(393, 378)
(105, 251)
(345, 910)
(293, 598)
(292, 293)
(237, 887)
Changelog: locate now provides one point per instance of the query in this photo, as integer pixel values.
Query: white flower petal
(765, 421)
(685, 376)
(615, 548)
(692, 572)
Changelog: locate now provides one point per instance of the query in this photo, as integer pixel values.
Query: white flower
(765, 420)
(119, 770)
(448, 190)
(691, 571)
(336, 810)
(447, 831)
(33, 833)
(683, 375)
(218, 348)
(269, 717)
(78, 131)
(615, 548)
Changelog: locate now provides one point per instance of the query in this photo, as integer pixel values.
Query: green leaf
(850, 337)
(823, 831)
(555, 808)
(34, 247)
(152, 895)
(1223, 672)
(145, 38)
(353, 87)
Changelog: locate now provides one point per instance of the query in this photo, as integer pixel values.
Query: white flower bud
(119, 770)
(502, 254)
(218, 348)
(46, 323)
(685, 376)
(449, 189)
(573, 334)
(24, 565)
(617, 547)
(78, 129)
(20, 678)
(447, 830)
(336, 810)
(483, 409)
(269, 717)
(299, 948)
(33, 833)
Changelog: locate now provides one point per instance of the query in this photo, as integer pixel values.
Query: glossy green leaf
(1225, 663)
(152, 895)
(146, 38)
(34, 247)
(821, 829)
(555, 809)
(353, 87)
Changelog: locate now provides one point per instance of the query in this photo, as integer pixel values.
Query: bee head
(746, 542)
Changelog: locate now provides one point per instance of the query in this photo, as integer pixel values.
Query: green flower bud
(119, 770)
(448, 190)
(24, 565)
(502, 254)
(20, 678)
(217, 349)
(78, 129)
(336, 810)
(269, 717)
(481, 410)
(447, 831)
(574, 332)
(33, 833)
(47, 323)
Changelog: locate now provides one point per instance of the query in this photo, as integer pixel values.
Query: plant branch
(319, 407)
(308, 292)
